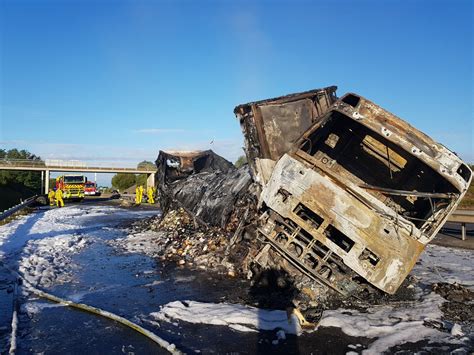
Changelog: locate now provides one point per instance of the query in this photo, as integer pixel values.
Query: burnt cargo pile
(203, 183)
(207, 203)
(337, 191)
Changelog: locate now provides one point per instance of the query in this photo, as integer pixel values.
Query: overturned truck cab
(357, 197)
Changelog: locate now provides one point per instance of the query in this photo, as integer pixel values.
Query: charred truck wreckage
(346, 193)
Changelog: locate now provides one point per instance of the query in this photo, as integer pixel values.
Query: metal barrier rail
(64, 164)
(464, 217)
(22, 162)
(7, 213)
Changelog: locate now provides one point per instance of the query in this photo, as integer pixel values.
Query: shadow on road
(274, 289)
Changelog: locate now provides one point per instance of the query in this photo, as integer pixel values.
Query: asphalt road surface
(82, 253)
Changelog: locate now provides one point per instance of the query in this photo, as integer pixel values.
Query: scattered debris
(453, 292)
(460, 301)
(456, 330)
(178, 239)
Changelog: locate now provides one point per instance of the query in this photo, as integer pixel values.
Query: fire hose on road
(13, 345)
(163, 343)
(171, 348)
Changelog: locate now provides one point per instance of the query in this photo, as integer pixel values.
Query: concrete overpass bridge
(48, 166)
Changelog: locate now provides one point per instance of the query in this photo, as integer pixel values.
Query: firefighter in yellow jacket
(51, 197)
(149, 192)
(138, 199)
(59, 198)
(140, 194)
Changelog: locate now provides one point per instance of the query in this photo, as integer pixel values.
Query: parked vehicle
(90, 189)
(72, 186)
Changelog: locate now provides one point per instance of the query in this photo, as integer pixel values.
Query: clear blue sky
(120, 80)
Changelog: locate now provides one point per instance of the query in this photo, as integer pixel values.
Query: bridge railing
(56, 163)
(22, 162)
(66, 163)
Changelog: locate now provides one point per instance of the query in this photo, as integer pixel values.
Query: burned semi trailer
(356, 198)
(205, 184)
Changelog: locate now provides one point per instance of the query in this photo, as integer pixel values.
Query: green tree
(242, 160)
(141, 179)
(122, 181)
(52, 183)
(30, 179)
(144, 165)
(16, 185)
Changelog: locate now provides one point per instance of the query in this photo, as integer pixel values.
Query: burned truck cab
(358, 196)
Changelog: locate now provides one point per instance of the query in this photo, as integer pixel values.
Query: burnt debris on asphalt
(337, 191)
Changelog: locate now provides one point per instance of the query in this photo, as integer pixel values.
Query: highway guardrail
(463, 217)
(7, 213)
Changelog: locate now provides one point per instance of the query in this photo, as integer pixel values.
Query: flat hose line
(14, 323)
(94, 310)
(163, 343)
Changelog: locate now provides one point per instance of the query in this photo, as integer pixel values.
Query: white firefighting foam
(47, 240)
(389, 325)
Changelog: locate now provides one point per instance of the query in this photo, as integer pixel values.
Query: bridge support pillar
(42, 181)
(150, 181)
(46, 181)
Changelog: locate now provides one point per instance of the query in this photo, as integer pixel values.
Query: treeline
(241, 161)
(122, 181)
(17, 185)
(468, 200)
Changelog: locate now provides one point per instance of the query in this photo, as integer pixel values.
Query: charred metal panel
(293, 120)
(271, 127)
(396, 130)
(375, 248)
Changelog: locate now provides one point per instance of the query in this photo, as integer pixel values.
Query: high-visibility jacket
(51, 195)
(59, 198)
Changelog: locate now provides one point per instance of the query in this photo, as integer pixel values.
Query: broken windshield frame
(74, 179)
(355, 152)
